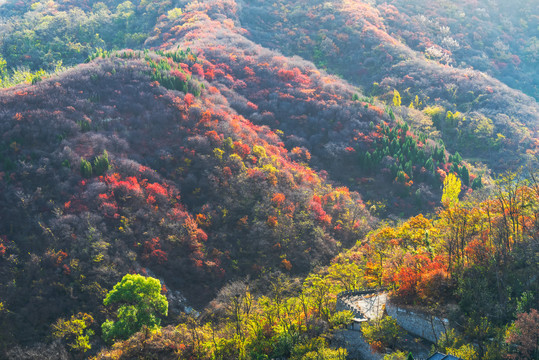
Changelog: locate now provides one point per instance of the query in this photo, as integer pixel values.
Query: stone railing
(361, 292)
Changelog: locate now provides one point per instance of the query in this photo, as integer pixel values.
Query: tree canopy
(140, 302)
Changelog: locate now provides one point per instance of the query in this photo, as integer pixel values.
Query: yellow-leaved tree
(451, 191)
(396, 98)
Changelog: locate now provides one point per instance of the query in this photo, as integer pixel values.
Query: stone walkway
(369, 307)
(356, 345)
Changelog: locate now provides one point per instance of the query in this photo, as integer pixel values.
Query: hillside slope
(192, 189)
(206, 156)
(362, 143)
(497, 125)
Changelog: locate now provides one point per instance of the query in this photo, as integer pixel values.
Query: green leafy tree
(385, 331)
(140, 302)
(317, 349)
(318, 288)
(326, 353)
(454, 344)
(347, 275)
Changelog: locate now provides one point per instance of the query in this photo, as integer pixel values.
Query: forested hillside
(258, 158)
(475, 114)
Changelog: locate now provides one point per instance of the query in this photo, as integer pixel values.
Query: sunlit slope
(361, 142)
(382, 49)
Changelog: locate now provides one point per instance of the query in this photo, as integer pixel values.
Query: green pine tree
(101, 164)
(465, 175)
(85, 168)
